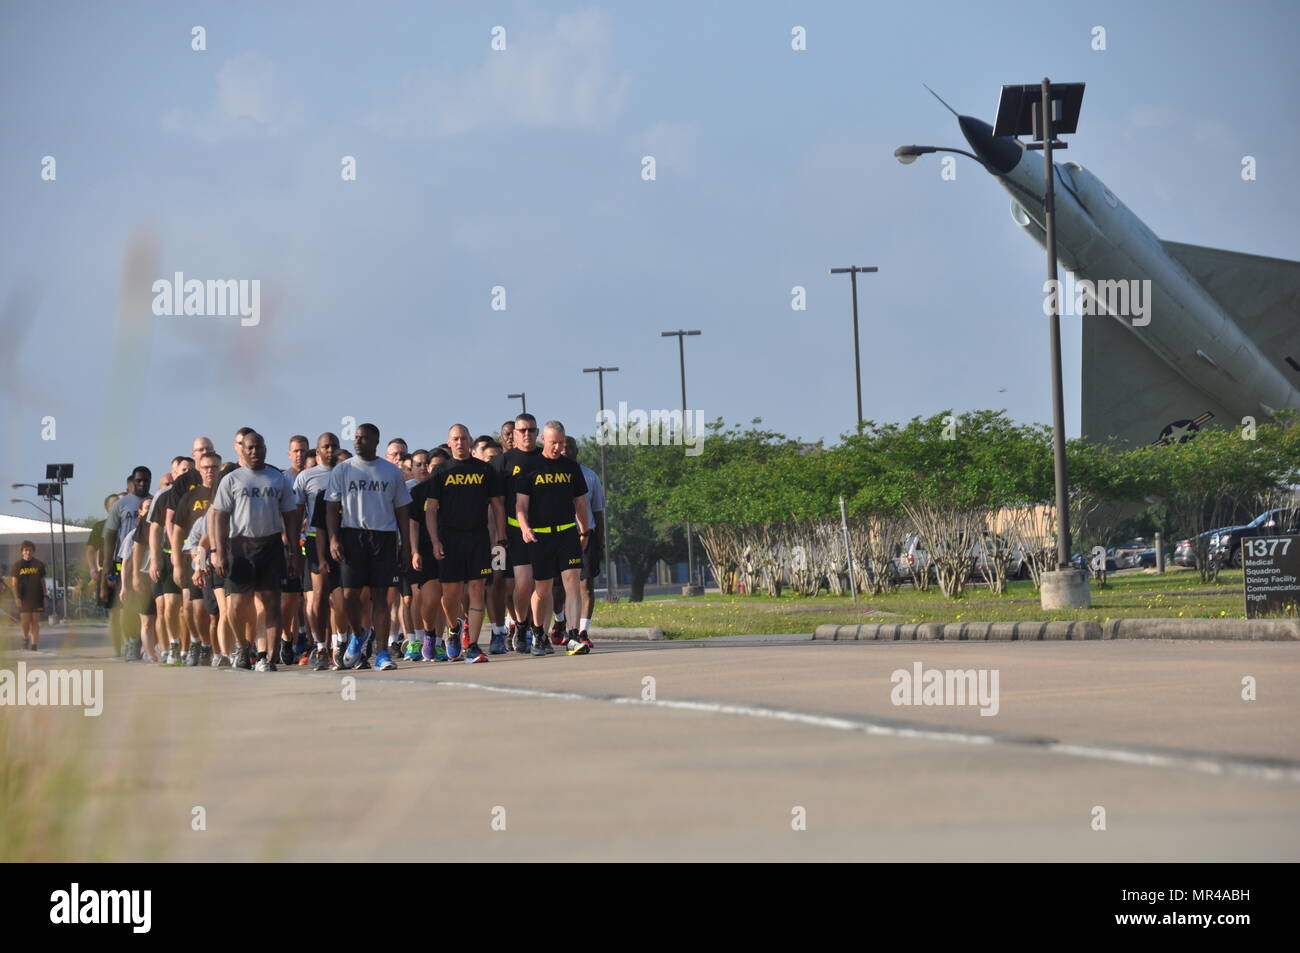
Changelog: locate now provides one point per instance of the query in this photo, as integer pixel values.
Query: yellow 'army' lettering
(553, 478)
(463, 479)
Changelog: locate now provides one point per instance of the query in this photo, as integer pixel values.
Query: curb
(647, 634)
(960, 632)
(1237, 630)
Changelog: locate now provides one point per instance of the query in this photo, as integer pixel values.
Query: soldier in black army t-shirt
(464, 496)
(551, 507)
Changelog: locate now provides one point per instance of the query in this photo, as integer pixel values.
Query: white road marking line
(1217, 765)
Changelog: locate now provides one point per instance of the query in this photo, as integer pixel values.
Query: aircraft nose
(1001, 154)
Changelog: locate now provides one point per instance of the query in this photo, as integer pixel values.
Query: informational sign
(1272, 565)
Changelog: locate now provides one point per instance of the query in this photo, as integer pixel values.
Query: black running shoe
(287, 655)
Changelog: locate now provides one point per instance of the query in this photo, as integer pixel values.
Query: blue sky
(522, 169)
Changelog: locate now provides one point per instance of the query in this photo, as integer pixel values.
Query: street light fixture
(691, 588)
(609, 575)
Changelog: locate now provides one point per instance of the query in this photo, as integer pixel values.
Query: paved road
(739, 742)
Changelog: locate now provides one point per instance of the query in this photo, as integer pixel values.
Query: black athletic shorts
(465, 556)
(369, 558)
(255, 564)
(187, 576)
(428, 571)
(143, 602)
(313, 566)
(166, 584)
(291, 583)
(404, 583)
(210, 594)
(32, 602)
(114, 600)
(517, 551)
(592, 560)
(555, 552)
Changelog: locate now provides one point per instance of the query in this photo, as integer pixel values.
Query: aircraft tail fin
(1261, 294)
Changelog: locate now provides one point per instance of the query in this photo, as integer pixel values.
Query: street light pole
(600, 373)
(523, 397)
(857, 350)
(1045, 111)
(61, 473)
(1058, 391)
(681, 356)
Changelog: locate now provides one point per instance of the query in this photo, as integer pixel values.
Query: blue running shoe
(353, 655)
(537, 638)
(497, 645)
(474, 654)
(383, 663)
(453, 647)
(413, 651)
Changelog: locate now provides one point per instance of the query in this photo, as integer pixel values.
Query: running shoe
(363, 665)
(585, 639)
(440, 652)
(474, 654)
(558, 636)
(383, 663)
(427, 650)
(413, 651)
(548, 645)
(576, 646)
(223, 661)
(318, 661)
(265, 665)
(167, 658)
(192, 656)
(453, 645)
(336, 659)
(205, 655)
(286, 652)
(497, 644)
(242, 657)
(395, 647)
(539, 642)
(353, 655)
(131, 649)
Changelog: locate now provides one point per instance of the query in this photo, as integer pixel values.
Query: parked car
(1185, 551)
(913, 559)
(1146, 559)
(1083, 562)
(1126, 553)
(1225, 544)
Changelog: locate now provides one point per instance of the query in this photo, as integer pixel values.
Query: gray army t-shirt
(370, 491)
(255, 499)
(308, 484)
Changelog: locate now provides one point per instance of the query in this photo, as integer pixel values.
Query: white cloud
(250, 101)
(672, 144)
(557, 77)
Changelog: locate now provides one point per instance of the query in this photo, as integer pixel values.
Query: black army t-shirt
(463, 489)
(551, 487)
